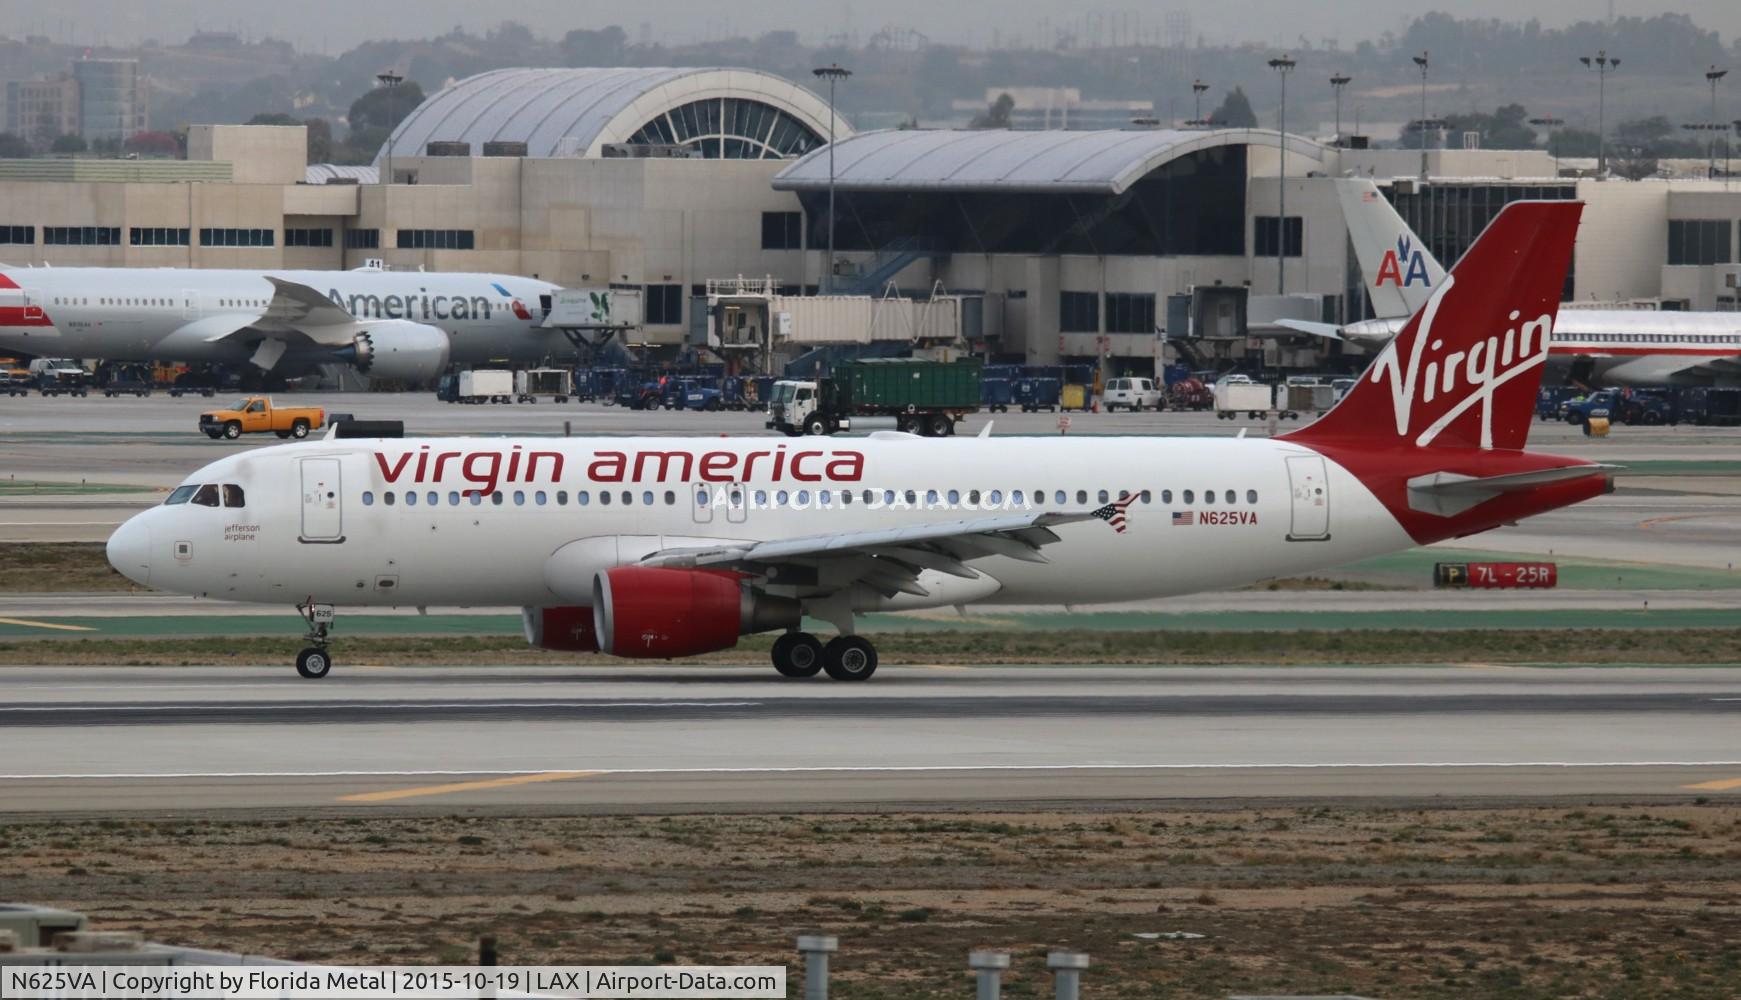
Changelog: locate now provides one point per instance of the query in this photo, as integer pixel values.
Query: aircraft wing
(295, 308)
(1662, 369)
(888, 560)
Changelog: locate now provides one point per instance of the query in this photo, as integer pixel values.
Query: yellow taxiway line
(1721, 785)
(27, 623)
(466, 786)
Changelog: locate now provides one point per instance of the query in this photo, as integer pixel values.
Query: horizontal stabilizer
(1327, 330)
(1451, 493)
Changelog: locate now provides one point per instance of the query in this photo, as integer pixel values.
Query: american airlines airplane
(671, 547)
(405, 325)
(1601, 346)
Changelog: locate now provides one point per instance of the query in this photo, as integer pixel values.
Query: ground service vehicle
(477, 386)
(706, 539)
(126, 380)
(1711, 405)
(557, 383)
(924, 397)
(60, 377)
(1133, 394)
(1036, 393)
(1237, 394)
(257, 415)
(1583, 409)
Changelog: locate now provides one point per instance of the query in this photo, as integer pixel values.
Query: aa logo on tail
(1392, 269)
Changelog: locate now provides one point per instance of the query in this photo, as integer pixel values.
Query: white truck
(1238, 394)
(1134, 394)
(483, 385)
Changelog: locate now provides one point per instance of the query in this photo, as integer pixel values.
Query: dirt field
(1587, 901)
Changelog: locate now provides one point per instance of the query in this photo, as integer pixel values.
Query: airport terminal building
(1137, 245)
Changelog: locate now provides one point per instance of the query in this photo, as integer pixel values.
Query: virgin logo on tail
(1391, 268)
(1479, 370)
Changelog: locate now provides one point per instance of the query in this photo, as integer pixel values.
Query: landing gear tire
(849, 658)
(798, 654)
(313, 663)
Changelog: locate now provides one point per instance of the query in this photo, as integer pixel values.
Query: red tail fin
(1464, 371)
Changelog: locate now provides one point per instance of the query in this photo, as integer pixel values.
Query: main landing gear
(844, 658)
(315, 662)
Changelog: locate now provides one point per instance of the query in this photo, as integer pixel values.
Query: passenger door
(322, 499)
(1309, 489)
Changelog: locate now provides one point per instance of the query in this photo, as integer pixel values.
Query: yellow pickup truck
(257, 415)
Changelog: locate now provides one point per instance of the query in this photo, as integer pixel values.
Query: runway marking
(305, 705)
(881, 769)
(465, 786)
(1650, 523)
(28, 623)
(1722, 785)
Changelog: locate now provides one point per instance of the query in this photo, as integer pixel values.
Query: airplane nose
(129, 550)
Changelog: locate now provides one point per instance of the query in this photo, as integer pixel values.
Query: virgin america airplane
(669, 547)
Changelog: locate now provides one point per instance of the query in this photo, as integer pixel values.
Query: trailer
(557, 383)
(1234, 396)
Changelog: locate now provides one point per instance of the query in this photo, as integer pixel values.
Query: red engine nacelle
(567, 629)
(651, 613)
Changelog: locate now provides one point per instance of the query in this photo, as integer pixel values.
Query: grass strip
(1549, 647)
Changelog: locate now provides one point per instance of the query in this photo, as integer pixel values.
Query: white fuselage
(1631, 347)
(147, 314)
(393, 522)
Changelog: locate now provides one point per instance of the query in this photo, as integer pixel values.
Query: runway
(604, 739)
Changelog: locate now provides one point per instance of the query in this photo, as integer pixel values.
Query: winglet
(985, 431)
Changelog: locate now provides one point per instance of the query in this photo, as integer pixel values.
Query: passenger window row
(520, 498)
(778, 498)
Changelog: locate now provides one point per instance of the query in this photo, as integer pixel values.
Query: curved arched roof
(575, 112)
(1057, 162)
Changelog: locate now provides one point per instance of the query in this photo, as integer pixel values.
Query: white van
(1132, 394)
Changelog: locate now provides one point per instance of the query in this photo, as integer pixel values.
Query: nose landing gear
(315, 662)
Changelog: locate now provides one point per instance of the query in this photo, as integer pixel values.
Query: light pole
(833, 73)
(1337, 82)
(1603, 64)
(1550, 123)
(1425, 64)
(1283, 66)
(1197, 89)
(1712, 75)
(391, 81)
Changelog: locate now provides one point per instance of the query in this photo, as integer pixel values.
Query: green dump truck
(923, 397)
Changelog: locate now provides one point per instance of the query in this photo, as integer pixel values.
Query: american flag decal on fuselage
(1184, 518)
(1113, 513)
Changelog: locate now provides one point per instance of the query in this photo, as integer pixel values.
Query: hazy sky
(333, 26)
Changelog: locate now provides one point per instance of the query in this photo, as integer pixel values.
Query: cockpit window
(233, 496)
(207, 495)
(180, 494)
